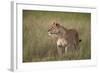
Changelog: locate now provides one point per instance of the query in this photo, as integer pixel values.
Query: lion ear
(54, 23)
(57, 24)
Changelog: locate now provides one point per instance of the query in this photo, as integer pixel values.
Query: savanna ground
(38, 46)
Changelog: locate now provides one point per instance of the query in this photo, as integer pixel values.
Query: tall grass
(38, 46)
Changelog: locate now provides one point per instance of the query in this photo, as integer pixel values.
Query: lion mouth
(50, 33)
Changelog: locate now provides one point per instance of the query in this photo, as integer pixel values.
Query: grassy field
(38, 46)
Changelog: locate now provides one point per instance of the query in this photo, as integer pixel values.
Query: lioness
(66, 38)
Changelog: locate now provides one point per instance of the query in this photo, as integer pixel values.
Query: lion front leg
(59, 50)
(66, 50)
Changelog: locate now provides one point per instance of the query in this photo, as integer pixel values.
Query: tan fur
(66, 38)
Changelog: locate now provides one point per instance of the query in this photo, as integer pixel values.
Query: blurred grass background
(38, 46)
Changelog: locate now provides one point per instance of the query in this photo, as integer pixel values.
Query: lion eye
(52, 28)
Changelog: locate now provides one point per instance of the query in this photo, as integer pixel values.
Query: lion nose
(48, 30)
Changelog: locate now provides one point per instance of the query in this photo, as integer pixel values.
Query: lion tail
(80, 40)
